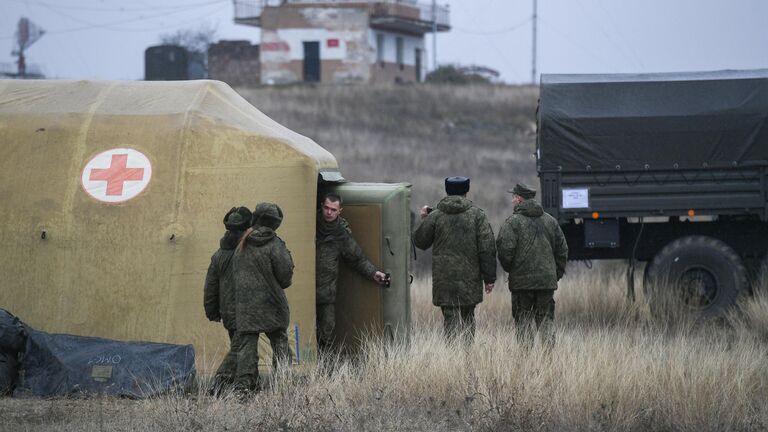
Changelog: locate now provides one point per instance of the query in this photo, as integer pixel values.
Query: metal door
(379, 217)
(312, 61)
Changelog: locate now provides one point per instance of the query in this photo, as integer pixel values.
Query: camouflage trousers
(247, 371)
(325, 324)
(532, 311)
(225, 374)
(459, 321)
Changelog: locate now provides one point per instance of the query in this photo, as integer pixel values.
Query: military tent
(113, 195)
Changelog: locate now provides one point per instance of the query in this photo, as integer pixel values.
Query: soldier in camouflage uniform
(463, 256)
(532, 248)
(334, 243)
(219, 290)
(263, 268)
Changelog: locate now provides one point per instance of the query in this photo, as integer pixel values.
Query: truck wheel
(760, 284)
(703, 272)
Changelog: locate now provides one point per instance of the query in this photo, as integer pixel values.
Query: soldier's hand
(424, 212)
(380, 278)
(489, 287)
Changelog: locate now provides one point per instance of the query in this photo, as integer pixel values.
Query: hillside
(418, 134)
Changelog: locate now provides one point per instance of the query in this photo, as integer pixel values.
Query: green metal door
(379, 216)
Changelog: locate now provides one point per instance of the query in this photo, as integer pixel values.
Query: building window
(380, 48)
(400, 52)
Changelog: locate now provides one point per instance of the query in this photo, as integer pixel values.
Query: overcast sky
(105, 39)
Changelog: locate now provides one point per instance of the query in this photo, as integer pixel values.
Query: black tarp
(9, 370)
(653, 121)
(12, 333)
(12, 340)
(62, 365)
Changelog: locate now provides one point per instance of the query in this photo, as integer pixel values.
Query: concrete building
(342, 40)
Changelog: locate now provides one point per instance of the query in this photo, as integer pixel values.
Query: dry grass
(614, 367)
(418, 134)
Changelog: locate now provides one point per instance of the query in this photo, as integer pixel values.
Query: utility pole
(533, 55)
(434, 34)
(27, 33)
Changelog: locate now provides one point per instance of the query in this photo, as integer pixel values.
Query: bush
(455, 76)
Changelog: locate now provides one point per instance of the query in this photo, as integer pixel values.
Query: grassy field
(418, 134)
(615, 367)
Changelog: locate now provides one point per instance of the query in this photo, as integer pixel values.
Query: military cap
(267, 214)
(238, 219)
(523, 190)
(456, 185)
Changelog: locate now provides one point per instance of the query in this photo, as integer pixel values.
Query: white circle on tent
(116, 175)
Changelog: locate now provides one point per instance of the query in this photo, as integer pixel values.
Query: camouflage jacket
(262, 270)
(219, 290)
(532, 248)
(334, 243)
(463, 251)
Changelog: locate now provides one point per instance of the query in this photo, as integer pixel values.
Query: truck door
(379, 216)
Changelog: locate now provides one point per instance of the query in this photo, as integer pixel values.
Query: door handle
(389, 246)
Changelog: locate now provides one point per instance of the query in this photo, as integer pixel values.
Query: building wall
(386, 67)
(345, 53)
(234, 62)
(391, 72)
(348, 46)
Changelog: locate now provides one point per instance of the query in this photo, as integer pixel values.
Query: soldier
(463, 256)
(533, 250)
(334, 242)
(263, 268)
(219, 290)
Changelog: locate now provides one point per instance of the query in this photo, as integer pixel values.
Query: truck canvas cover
(627, 122)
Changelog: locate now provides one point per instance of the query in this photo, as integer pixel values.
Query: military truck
(666, 169)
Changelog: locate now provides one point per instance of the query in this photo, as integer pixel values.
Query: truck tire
(704, 272)
(760, 284)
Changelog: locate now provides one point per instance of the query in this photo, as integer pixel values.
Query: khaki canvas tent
(113, 197)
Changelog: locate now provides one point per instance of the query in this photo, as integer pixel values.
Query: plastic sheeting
(61, 365)
(12, 339)
(653, 121)
(9, 369)
(12, 333)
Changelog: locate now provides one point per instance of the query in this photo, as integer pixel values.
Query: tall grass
(615, 366)
(418, 134)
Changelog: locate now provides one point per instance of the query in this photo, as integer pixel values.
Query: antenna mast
(27, 33)
(533, 55)
(434, 34)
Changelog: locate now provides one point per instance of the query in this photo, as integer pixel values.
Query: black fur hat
(267, 214)
(456, 185)
(238, 219)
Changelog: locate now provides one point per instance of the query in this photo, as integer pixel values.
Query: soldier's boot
(281, 354)
(526, 333)
(247, 375)
(545, 319)
(468, 325)
(452, 327)
(220, 384)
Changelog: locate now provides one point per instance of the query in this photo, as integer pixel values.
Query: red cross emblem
(116, 175)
